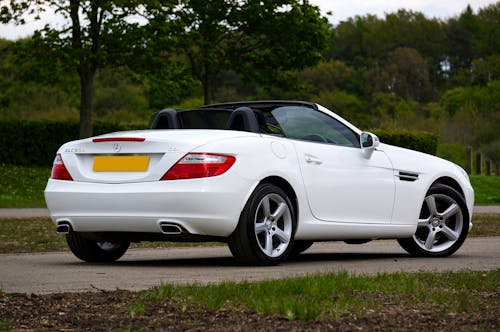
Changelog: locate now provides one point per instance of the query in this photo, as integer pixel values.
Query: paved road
(34, 213)
(144, 268)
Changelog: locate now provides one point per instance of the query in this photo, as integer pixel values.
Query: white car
(267, 177)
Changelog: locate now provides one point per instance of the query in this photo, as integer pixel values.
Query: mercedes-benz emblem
(117, 147)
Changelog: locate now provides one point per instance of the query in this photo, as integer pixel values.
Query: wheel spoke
(449, 233)
(431, 204)
(430, 240)
(266, 207)
(280, 210)
(269, 244)
(282, 236)
(423, 223)
(260, 227)
(451, 211)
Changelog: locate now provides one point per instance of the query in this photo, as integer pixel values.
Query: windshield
(307, 124)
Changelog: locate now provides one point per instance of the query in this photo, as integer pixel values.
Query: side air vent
(407, 176)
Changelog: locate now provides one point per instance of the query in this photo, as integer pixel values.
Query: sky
(341, 9)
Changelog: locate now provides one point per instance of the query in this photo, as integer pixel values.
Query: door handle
(312, 159)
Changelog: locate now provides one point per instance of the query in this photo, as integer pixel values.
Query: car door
(342, 183)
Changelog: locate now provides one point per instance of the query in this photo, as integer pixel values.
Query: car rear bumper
(209, 206)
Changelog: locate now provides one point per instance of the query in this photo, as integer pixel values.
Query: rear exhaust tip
(63, 229)
(171, 229)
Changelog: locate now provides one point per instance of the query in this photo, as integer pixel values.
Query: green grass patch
(22, 187)
(5, 326)
(486, 188)
(337, 295)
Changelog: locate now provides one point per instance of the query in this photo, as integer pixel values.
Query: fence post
(478, 163)
(468, 160)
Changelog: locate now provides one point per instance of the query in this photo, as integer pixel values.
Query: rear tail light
(59, 171)
(199, 165)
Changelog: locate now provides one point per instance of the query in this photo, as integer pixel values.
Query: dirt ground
(104, 311)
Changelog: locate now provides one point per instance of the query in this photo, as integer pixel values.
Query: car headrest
(243, 119)
(166, 119)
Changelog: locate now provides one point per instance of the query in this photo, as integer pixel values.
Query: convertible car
(269, 178)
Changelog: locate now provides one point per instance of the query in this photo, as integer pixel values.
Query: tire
(442, 226)
(265, 231)
(300, 246)
(95, 251)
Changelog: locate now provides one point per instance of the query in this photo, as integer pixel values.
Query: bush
(34, 143)
(419, 141)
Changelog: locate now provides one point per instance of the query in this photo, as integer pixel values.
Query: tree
(93, 37)
(404, 74)
(258, 39)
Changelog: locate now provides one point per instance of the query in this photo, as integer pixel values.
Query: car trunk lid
(133, 156)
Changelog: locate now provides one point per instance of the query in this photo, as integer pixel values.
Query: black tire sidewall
(89, 251)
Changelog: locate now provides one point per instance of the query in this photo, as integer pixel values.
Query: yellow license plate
(121, 163)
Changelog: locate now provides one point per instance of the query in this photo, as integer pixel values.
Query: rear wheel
(95, 251)
(265, 231)
(442, 226)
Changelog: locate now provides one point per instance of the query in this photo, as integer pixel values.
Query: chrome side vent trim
(407, 176)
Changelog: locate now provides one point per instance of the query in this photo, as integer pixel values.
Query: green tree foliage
(96, 35)
(404, 74)
(259, 40)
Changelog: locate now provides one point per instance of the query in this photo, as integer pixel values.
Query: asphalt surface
(144, 268)
(40, 212)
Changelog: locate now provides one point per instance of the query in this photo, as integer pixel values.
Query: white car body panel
(341, 195)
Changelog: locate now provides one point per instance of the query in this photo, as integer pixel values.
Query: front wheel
(264, 235)
(442, 226)
(95, 251)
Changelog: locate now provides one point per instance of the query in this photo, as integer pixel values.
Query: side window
(310, 125)
(268, 123)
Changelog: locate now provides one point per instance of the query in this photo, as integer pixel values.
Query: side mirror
(368, 142)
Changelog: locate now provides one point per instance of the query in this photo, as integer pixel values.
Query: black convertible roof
(260, 104)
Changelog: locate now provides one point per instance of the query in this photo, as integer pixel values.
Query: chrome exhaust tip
(63, 229)
(170, 229)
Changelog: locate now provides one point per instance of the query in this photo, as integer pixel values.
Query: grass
(337, 295)
(22, 187)
(38, 235)
(487, 189)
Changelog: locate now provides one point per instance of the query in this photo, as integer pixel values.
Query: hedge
(26, 142)
(36, 142)
(419, 141)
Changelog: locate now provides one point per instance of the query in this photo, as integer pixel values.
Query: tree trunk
(206, 84)
(206, 92)
(86, 98)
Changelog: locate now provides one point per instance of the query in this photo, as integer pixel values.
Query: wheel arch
(287, 188)
(450, 182)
